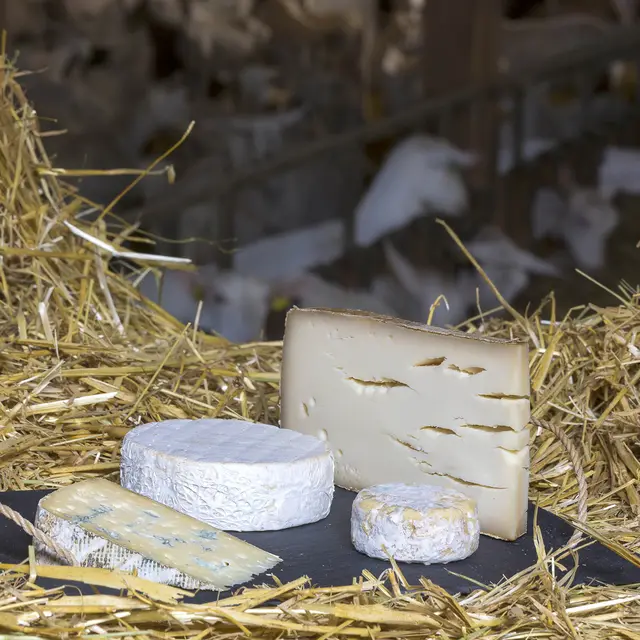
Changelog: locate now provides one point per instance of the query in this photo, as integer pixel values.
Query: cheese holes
(469, 371)
(499, 428)
(430, 362)
(511, 451)
(442, 430)
(370, 387)
(466, 483)
(385, 382)
(502, 396)
(436, 362)
(306, 406)
(408, 445)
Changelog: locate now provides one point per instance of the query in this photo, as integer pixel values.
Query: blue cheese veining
(104, 525)
(232, 474)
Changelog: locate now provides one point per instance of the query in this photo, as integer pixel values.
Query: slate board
(323, 551)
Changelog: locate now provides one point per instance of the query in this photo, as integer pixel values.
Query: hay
(84, 359)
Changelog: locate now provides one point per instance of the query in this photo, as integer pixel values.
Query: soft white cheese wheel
(414, 523)
(232, 474)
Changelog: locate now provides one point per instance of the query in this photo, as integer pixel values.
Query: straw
(85, 358)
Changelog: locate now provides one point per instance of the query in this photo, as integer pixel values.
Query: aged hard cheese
(403, 402)
(414, 523)
(232, 474)
(104, 525)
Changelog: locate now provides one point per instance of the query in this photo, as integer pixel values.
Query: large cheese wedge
(232, 474)
(103, 525)
(403, 402)
(414, 523)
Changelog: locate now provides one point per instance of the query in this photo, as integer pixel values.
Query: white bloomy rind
(414, 523)
(231, 474)
(403, 402)
(103, 525)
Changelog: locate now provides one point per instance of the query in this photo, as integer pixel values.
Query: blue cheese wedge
(103, 525)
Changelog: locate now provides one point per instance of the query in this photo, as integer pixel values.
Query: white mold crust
(231, 474)
(414, 523)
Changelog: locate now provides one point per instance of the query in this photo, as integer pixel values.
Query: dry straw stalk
(84, 360)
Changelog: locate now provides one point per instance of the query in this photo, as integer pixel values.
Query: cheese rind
(414, 523)
(403, 402)
(231, 474)
(103, 525)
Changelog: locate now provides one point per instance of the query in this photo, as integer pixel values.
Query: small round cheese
(414, 523)
(232, 474)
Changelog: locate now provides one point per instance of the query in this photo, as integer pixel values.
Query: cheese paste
(403, 402)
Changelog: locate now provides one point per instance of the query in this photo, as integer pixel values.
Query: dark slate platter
(323, 551)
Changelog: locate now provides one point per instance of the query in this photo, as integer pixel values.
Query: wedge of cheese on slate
(232, 474)
(414, 523)
(104, 525)
(403, 402)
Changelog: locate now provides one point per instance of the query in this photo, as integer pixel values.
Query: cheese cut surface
(414, 523)
(104, 525)
(403, 402)
(234, 475)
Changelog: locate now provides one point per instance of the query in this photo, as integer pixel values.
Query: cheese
(414, 523)
(103, 525)
(232, 474)
(403, 402)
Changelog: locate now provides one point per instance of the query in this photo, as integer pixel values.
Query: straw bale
(84, 359)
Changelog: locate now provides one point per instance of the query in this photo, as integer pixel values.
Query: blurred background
(316, 144)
